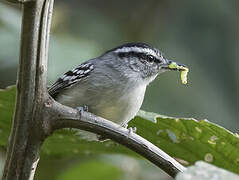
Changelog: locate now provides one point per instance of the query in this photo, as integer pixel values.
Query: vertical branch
(25, 142)
(41, 78)
(25, 88)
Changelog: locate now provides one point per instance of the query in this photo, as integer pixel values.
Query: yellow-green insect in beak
(184, 70)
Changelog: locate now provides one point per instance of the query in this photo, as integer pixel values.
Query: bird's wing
(70, 78)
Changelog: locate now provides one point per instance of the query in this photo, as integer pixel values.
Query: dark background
(204, 35)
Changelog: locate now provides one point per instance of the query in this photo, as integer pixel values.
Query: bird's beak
(171, 65)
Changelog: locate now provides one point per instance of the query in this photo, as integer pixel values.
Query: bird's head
(142, 59)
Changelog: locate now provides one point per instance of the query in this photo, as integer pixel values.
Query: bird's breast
(123, 106)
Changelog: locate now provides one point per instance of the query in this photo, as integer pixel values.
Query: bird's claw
(132, 130)
(82, 108)
(85, 108)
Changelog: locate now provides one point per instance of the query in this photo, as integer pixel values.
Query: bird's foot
(132, 130)
(82, 109)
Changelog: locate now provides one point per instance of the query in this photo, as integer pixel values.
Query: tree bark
(26, 135)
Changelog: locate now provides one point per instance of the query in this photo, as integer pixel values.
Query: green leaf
(92, 170)
(187, 140)
(205, 171)
(7, 102)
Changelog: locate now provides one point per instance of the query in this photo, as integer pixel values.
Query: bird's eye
(150, 58)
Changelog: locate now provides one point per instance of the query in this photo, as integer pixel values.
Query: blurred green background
(204, 35)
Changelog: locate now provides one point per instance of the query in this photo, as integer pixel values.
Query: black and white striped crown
(137, 49)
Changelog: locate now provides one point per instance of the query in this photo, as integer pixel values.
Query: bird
(112, 85)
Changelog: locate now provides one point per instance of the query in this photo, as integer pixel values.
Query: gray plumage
(112, 85)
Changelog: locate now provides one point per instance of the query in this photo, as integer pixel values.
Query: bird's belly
(118, 107)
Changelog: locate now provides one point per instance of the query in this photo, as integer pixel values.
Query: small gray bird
(112, 85)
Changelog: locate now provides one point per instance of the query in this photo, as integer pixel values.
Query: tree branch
(26, 136)
(65, 117)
